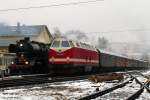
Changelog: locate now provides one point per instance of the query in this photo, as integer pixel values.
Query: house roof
(5, 43)
(8, 34)
(21, 30)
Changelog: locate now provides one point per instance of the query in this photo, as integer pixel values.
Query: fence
(5, 61)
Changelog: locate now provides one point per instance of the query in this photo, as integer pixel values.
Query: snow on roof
(6, 42)
(21, 30)
(10, 34)
(112, 53)
(115, 54)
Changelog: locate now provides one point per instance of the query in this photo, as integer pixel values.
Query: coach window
(65, 44)
(56, 44)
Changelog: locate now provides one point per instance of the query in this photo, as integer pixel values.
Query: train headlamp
(21, 44)
(68, 59)
(26, 62)
(22, 55)
(12, 62)
(52, 59)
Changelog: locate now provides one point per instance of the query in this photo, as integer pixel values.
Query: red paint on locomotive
(73, 54)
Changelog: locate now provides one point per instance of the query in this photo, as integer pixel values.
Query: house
(10, 34)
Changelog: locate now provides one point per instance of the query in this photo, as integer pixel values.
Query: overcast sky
(118, 20)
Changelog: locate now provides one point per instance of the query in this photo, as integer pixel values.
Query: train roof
(76, 43)
(115, 54)
(112, 53)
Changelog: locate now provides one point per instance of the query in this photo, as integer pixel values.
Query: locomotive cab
(59, 47)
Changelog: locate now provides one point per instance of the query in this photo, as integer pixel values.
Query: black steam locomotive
(31, 57)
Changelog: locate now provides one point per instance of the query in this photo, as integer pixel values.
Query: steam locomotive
(31, 57)
(67, 57)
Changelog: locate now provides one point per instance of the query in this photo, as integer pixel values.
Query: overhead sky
(117, 20)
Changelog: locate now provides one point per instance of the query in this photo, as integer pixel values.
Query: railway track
(36, 79)
(101, 93)
(134, 95)
(45, 78)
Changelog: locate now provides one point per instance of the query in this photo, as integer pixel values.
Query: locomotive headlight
(53, 59)
(26, 62)
(22, 55)
(12, 62)
(21, 44)
(68, 59)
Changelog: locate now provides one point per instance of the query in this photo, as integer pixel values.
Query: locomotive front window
(71, 44)
(56, 44)
(65, 44)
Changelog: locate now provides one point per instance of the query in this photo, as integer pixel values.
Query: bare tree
(102, 43)
(145, 57)
(77, 35)
(57, 32)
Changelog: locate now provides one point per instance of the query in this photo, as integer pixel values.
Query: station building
(10, 34)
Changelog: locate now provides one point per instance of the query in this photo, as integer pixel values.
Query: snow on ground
(147, 73)
(121, 93)
(145, 96)
(70, 90)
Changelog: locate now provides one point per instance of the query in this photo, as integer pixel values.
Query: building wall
(43, 37)
(4, 49)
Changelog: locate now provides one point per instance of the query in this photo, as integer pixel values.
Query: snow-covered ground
(55, 91)
(70, 90)
(121, 93)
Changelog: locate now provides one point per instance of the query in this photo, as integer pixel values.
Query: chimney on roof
(18, 27)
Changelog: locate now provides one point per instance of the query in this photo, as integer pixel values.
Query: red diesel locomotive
(66, 56)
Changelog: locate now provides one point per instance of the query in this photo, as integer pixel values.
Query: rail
(136, 94)
(139, 92)
(132, 97)
(36, 79)
(101, 93)
(142, 85)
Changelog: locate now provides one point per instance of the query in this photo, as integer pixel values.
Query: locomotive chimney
(27, 39)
